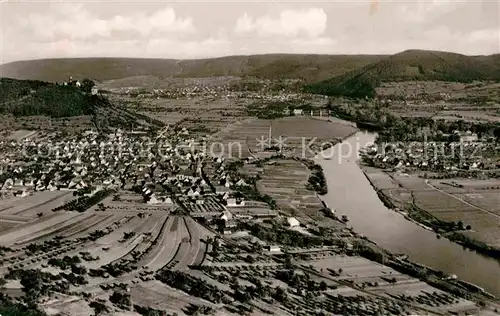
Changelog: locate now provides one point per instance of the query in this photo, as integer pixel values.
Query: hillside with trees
(346, 75)
(307, 67)
(407, 66)
(29, 98)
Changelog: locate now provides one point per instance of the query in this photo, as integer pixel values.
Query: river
(350, 193)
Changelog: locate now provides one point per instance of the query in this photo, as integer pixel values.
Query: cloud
(492, 35)
(290, 23)
(149, 48)
(479, 42)
(419, 12)
(73, 21)
(39, 30)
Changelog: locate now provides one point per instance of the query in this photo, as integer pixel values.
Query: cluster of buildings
(72, 82)
(189, 93)
(90, 160)
(76, 83)
(468, 152)
(157, 173)
(179, 93)
(265, 92)
(165, 170)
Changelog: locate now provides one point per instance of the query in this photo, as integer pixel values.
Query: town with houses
(150, 213)
(327, 159)
(125, 208)
(467, 152)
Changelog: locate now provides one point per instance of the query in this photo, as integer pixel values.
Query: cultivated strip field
(147, 241)
(164, 297)
(296, 132)
(106, 220)
(386, 281)
(165, 247)
(43, 225)
(475, 203)
(41, 202)
(284, 179)
(48, 233)
(21, 134)
(15, 212)
(147, 233)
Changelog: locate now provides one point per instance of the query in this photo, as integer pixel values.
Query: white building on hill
(293, 222)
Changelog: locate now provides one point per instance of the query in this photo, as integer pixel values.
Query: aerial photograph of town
(250, 158)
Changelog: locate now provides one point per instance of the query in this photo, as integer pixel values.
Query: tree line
(32, 98)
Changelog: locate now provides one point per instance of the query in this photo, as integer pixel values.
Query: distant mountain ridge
(351, 75)
(308, 67)
(411, 65)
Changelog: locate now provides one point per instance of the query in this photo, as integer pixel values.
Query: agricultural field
(139, 252)
(17, 211)
(12, 123)
(174, 264)
(167, 118)
(132, 204)
(99, 244)
(380, 179)
(344, 284)
(419, 87)
(450, 101)
(162, 297)
(300, 135)
(21, 134)
(475, 203)
(285, 181)
(452, 112)
(399, 195)
(490, 115)
(385, 281)
(201, 116)
(30, 206)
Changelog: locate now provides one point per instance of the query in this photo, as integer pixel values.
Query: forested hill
(350, 75)
(28, 97)
(407, 66)
(310, 68)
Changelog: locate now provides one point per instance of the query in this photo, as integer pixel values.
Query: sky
(200, 29)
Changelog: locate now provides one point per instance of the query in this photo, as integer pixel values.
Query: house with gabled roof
(241, 182)
(189, 192)
(153, 200)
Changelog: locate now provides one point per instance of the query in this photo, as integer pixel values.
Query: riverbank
(426, 274)
(389, 203)
(426, 220)
(317, 179)
(350, 193)
(372, 126)
(337, 140)
(374, 252)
